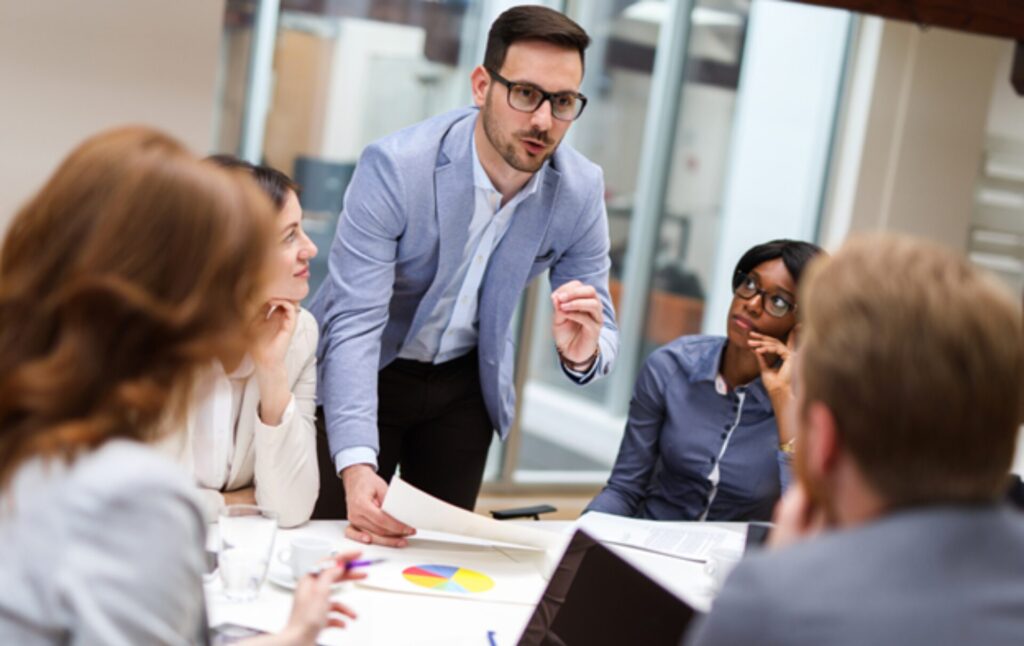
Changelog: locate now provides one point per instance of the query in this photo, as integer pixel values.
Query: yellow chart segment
(448, 578)
(473, 581)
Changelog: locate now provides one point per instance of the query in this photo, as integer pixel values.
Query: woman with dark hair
(132, 268)
(707, 436)
(250, 432)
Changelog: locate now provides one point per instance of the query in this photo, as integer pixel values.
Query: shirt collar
(707, 366)
(482, 181)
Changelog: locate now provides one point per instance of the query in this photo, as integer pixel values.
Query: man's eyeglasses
(524, 97)
(774, 304)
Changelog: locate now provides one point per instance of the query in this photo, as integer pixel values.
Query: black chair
(533, 511)
(1015, 492)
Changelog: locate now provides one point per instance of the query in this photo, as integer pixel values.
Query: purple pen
(363, 563)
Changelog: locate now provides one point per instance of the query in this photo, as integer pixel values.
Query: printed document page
(418, 509)
(686, 540)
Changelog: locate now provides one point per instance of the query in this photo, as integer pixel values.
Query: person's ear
(821, 441)
(479, 81)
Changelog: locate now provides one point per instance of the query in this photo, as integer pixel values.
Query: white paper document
(418, 509)
(686, 540)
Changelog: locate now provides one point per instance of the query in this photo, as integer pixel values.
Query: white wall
(1006, 110)
(70, 68)
(789, 86)
(913, 132)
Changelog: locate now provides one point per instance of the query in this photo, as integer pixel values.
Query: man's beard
(507, 148)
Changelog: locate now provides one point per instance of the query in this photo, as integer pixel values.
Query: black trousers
(432, 423)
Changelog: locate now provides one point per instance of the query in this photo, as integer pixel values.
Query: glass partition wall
(666, 81)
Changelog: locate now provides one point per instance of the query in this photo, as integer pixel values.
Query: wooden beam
(1001, 18)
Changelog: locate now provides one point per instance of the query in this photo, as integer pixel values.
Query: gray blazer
(107, 551)
(935, 577)
(399, 241)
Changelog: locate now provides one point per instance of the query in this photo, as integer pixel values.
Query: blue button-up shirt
(694, 450)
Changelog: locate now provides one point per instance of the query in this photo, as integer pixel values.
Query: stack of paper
(690, 541)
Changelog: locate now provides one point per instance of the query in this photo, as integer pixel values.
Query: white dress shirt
(451, 329)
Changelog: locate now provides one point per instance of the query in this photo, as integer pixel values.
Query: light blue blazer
(399, 241)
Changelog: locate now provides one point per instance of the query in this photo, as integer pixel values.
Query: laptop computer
(595, 597)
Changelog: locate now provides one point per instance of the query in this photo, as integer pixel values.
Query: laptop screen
(596, 597)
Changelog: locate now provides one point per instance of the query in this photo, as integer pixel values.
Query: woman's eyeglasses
(774, 304)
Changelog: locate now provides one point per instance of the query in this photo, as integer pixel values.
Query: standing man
(909, 392)
(444, 225)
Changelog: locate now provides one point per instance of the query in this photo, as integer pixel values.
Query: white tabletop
(417, 619)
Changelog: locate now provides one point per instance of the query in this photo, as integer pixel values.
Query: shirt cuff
(354, 455)
(286, 417)
(581, 377)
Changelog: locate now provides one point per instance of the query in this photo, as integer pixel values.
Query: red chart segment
(448, 578)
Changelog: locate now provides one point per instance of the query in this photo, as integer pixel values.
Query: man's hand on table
(364, 495)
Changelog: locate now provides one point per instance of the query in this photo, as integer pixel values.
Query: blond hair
(920, 357)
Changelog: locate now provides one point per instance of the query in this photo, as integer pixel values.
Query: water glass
(246, 541)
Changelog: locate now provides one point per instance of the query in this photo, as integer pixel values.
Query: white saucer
(282, 576)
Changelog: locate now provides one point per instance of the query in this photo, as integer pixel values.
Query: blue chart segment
(448, 578)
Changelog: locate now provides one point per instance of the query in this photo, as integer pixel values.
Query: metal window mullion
(259, 80)
(653, 172)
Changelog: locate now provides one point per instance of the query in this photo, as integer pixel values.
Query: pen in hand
(350, 565)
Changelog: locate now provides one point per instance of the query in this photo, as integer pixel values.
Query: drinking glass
(246, 540)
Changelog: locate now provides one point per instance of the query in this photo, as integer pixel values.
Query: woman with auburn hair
(134, 266)
(707, 436)
(250, 434)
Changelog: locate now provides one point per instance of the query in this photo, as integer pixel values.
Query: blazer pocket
(545, 257)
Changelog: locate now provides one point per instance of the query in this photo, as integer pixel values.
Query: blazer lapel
(243, 457)
(454, 199)
(510, 264)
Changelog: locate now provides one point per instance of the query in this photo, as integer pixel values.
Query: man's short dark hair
(532, 22)
(795, 255)
(273, 182)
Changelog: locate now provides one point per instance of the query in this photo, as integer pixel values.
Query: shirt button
(479, 258)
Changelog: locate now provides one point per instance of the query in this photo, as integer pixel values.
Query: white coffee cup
(305, 554)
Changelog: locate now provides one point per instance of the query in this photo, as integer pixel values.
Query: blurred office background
(718, 123)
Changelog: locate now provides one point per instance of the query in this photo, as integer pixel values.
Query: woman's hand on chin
(774, 360)
(272, 333)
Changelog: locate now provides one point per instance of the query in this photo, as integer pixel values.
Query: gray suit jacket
(935, 577)
(105, 551)
(399, 241)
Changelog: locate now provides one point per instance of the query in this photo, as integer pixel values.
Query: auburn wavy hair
(134, 264)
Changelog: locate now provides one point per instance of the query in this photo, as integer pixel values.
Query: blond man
(909, 400)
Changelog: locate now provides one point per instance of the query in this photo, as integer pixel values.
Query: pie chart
(448, 578)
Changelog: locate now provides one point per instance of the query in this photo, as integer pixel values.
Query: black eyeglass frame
(763, 293)
(544, 96)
